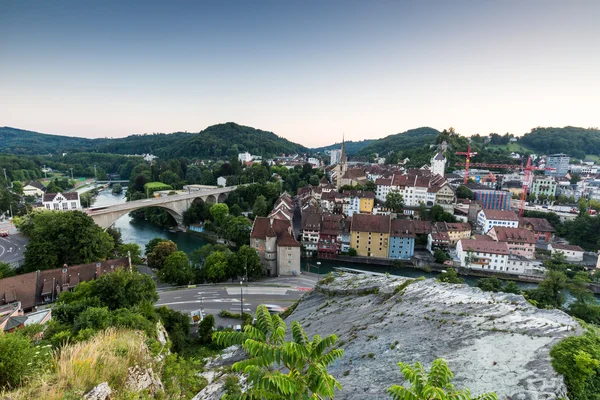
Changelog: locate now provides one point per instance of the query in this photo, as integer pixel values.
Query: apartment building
(521, 242)
(370, 234)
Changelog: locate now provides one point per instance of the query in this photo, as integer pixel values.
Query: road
(213, 299)
(13, 246)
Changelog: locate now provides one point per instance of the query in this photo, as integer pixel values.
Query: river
(141, 232)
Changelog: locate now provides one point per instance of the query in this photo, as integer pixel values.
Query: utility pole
(71, 173)
(242, 300)
(45, 175)
(95, 174)
(5, 178)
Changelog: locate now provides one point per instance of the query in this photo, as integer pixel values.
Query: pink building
(520, 241)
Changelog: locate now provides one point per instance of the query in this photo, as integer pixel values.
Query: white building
(34, 188)
(438, 164)
(61, 201)
(483, 255)
(315, 162)
(222, 181)
(334, 156)
(245, 157)
(487, 219)
(573, 253)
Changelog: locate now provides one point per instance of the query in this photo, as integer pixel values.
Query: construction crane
(526, 171)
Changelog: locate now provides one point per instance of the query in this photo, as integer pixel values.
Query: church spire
(343, 155)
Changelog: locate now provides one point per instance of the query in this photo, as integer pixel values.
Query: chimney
(271, 222)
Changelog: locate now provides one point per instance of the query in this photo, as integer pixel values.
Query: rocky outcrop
(492, 341)
(100, 392)
(216, 369)
(139, 379)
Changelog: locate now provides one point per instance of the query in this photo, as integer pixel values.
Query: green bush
(177, 325)
(577, 358)
(18, 359)
(180, 377)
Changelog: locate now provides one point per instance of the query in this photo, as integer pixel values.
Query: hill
(411, 139)
(220, 140)
(351, 146)
(574, 141)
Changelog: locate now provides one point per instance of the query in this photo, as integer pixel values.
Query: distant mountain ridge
(215, 141)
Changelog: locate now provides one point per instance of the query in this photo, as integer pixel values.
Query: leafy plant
(433, 385)
(283, 370)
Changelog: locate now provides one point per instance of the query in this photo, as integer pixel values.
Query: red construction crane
(526, 171)
(469, 154)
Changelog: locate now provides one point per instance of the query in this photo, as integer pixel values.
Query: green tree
(259, 209)
(394, 201)
(130, 249)
(237, 229)
(117, 188)
(435, 385)
(58, 238)
(18, 359)
(17, 187)
(440, 256)
(283, 370)
(463, 192)
(119, 289)
(205, 329)
(152, 244)
(492, 284)
(218, 213)
(450, 276)
(6, 270)
(511, 287)
(246, 259)
(352, 252)
(216, 266)
(176, 269)
(193, 174)
(159, 254)
(549, 292)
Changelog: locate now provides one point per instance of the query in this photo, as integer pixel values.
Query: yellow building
(367, 202)
(370, 235)
(455, 230)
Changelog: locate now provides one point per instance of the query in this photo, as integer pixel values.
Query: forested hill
(216, 141)
(576, 142)
(409, 140)
(351, 146)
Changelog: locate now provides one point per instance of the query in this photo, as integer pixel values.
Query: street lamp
(242, 300)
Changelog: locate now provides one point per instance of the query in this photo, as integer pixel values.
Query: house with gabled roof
(67, 201)
(274, 241)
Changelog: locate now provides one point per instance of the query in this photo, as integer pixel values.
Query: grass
(79, 367)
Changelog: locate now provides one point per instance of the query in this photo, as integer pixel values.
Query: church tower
(342, 166)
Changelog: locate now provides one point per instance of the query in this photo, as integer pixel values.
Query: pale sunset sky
(306, 70)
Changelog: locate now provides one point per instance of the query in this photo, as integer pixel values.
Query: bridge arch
(107, 220)
(211, 199)
(222, 197)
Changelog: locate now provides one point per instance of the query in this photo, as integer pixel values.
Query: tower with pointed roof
(342, 166)
(438, 164)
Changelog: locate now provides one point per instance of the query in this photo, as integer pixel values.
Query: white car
(275, 309)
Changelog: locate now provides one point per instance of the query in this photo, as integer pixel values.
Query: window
(73, 205)
(56, 206)
(65, 205)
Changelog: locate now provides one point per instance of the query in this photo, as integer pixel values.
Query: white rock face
(139, 379)
(492, 341)
(216, 377)
(100, 392)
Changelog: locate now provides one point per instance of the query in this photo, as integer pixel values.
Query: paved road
(213, 299)
(13, 246)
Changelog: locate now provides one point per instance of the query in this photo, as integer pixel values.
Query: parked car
(3, 233)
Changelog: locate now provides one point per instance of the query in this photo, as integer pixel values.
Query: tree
(58, 238)
(352, 252)
(492, 284)
(17, 187)
(370, 186)
(130, 250)
(216, 266)
(193, 174)
(176, 269)
(237, 229)
(205, 329)
(246, 259)
(450, 276)
(283, 370)
(18, 359)
(218, 213)
(152, 244)
(463, 192)
(437, 214)
(575, 177)
(6, 270)
(259, 209)
(117, 188)
(159, 254)
(433, 385)
(440, 256)
(511, 287)
(122, 289)
(394, 201)
(549, 292)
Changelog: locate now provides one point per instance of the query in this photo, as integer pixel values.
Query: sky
(309, 71)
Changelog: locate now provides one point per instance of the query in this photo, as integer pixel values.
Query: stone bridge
(175, 205)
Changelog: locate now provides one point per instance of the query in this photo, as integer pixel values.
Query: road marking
(258, 290)
(175, 298)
